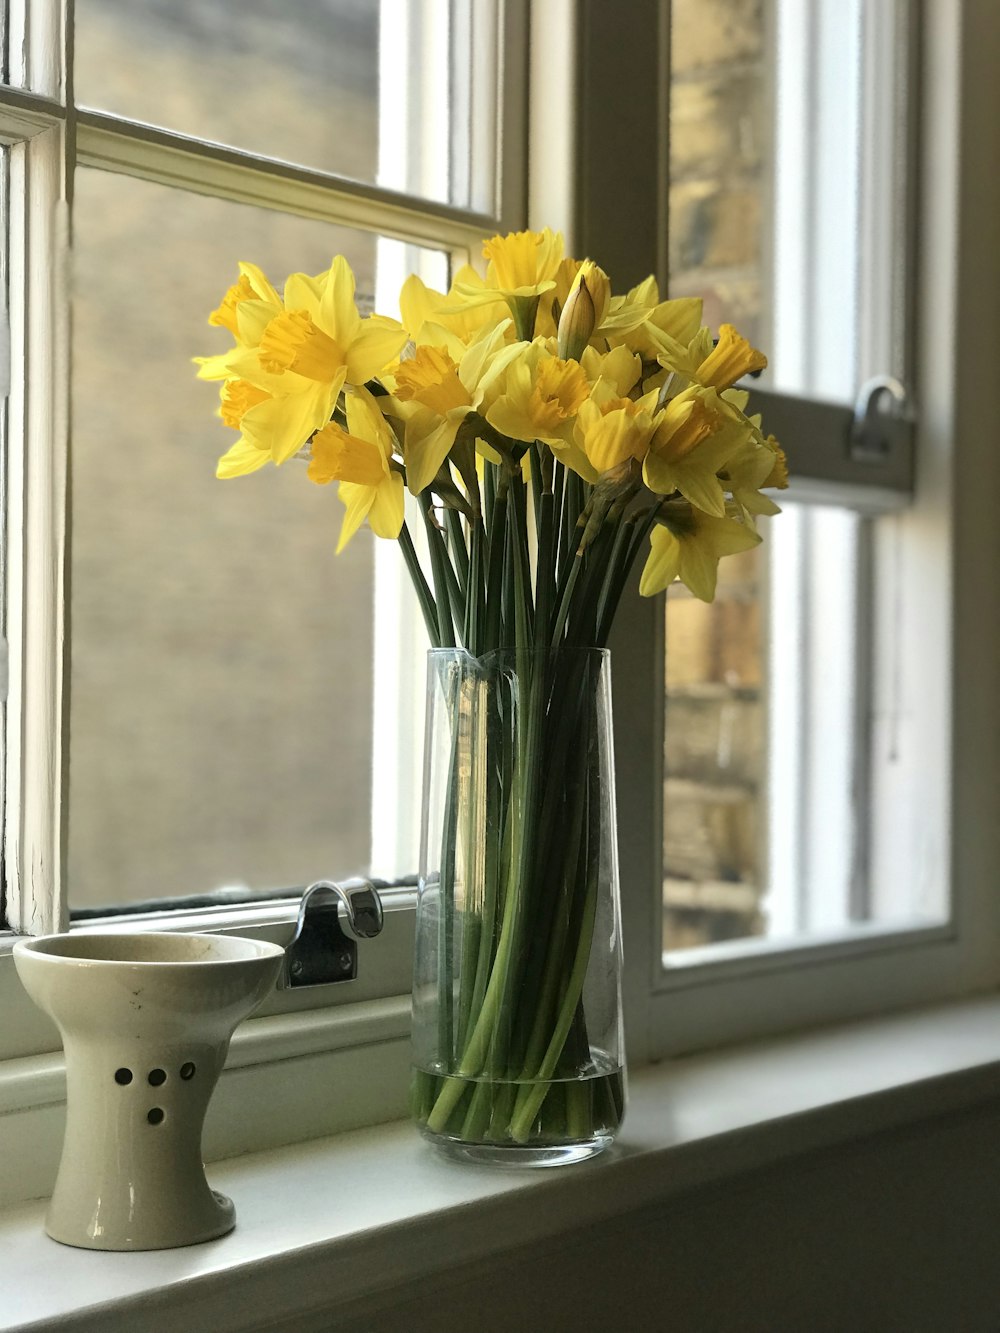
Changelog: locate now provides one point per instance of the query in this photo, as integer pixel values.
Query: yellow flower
(756, 464)
(359, 458)
(244, 311)
(540, 396)
(689, 547)
(778, 476)
(613, 431)
(429, 316)
(730, 359)
(696, 434)
(434, 394)
(522, 266)
(237, 397)
(616, 371)
(649, 326)
(584, 310)
(523, 263)
(301, 352)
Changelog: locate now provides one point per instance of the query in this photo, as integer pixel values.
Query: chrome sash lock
(320, 952)
(881, 410)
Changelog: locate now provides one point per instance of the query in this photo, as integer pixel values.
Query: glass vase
(517, 1015)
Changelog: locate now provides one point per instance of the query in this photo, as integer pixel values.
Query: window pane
(786, 182)
(221, 656)
(356, 87)
(778, 110)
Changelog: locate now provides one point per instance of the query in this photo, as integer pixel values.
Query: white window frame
(613, 203)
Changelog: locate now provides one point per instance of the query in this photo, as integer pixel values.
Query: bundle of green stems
(527, 575)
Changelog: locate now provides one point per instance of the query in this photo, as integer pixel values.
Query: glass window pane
(776, 224)
(361, 88)
(221, 656)
(783, 187)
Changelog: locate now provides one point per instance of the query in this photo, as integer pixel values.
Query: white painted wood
(36, 31)
(115, 144)
(36, 517)
(345, 1218)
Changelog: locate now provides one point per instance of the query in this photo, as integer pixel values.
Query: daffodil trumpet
(547, 436)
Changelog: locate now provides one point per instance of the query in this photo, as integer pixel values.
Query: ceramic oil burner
(146, 1022)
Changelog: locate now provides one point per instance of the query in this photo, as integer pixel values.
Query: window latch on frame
(882, 407)
(320, 952)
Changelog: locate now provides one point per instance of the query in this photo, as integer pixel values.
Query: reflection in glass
(221, 657)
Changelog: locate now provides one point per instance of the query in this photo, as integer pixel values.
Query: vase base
(518, 1156)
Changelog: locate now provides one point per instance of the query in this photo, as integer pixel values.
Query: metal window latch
(881, 415)
(320, 953)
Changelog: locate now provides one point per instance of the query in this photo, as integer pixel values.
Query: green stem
(459, 551)
(424, 595)
(439, 566)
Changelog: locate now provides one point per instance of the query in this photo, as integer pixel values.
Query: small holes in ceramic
(123, 1077)
(156, 1077)
(155, 1116)
(187, 1070)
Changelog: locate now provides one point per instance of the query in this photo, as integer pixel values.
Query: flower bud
(584, 310)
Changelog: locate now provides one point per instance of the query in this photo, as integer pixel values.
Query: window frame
(731, 998)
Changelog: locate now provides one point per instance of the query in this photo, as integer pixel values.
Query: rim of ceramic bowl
(71, 948)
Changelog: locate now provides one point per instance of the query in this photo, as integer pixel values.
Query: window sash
(49, 139)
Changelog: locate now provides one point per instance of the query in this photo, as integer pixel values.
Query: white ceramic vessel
(146, 1022)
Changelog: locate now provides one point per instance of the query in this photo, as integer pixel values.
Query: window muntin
(306, 84)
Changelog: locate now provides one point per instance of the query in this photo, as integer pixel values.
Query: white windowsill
(340, 1219)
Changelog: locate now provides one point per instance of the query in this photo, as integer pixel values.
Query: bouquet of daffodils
(548, 432)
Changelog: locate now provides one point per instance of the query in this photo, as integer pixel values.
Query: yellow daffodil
(523, 263)
(540, 396)
(301, 353)
(616, 371)
(584, 310)
(244, 310)
(689, 545)
(614, 430)
(359, 458)
(425, 312)
(778, 476)
(696, 434)
(729, 360)
(521, 266)
(649, 326)
(759, 463)
(434, 394)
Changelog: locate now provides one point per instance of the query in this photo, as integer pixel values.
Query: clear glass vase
(517, 1015)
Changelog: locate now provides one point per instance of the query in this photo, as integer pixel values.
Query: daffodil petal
(662, 563)
(252, 318)
(427, 442)
(283, 425)
(259, 282)
(338, 314)
(376, 343)
(358, 500)
(242, 459)
(385, 518)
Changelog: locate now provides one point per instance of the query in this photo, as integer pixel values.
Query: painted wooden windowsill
(340, 1219)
